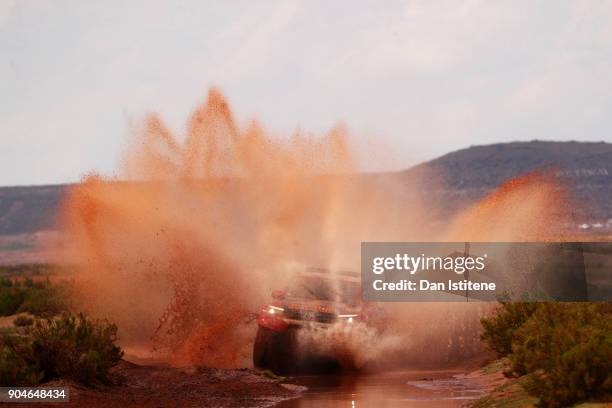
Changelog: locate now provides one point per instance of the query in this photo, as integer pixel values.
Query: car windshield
(315, 288)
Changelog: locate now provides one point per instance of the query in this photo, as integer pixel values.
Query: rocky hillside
(464, 176)
(467, 175)
(29, 209)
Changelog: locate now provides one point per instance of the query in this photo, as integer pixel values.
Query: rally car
(316, 300)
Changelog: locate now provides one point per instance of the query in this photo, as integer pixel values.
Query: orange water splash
(188, 245)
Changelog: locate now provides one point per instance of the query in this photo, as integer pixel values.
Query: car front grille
(293, 314)
(323, 317)
(307, 315)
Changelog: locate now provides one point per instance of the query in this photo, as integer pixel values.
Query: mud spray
(185, 247)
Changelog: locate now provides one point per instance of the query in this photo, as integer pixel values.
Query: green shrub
(38, 298)
(499, 330)
(71, 346)
(567, 350)
(6, 283)
(10, 300)
(17, 366)
(47, 301)
(75, 347)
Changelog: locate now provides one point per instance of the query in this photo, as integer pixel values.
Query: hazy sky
(421, 78)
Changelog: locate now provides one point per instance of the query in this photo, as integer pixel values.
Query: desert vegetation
(47, 340)
(71, 347)
(28, 289)
(561, 352)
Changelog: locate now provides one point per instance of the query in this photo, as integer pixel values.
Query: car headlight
(275, 309)
(349, 318)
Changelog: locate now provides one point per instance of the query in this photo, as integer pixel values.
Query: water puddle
(387, 390)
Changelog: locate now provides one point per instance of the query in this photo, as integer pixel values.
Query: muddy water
(387, 390)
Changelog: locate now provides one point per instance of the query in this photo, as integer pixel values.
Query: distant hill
(29, 209)
(489, 166)
(468, 174)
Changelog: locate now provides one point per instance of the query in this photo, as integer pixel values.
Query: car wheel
(260, 347)
(282, 354)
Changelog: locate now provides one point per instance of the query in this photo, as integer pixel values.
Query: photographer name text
(459, 265)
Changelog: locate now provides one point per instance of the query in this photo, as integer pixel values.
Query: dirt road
(149, 386)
